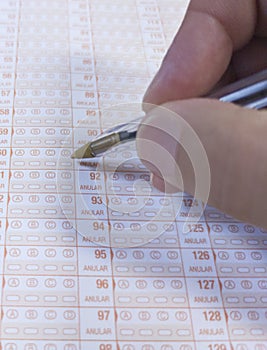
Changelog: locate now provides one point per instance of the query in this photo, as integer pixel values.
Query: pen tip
(83, 152)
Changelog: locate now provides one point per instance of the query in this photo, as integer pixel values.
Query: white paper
(89, 255)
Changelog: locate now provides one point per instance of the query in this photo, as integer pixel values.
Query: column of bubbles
(153, 33)
(9, 17)
(40, 292)
(240, 251)
(97, 314)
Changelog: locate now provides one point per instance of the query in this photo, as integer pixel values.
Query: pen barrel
(250, 92)
(103, 144)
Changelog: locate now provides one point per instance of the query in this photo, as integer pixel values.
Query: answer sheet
(91, 256)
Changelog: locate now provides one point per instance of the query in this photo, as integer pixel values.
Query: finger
(202, 49)
(159, 183)
(235, 142)
(251, 59)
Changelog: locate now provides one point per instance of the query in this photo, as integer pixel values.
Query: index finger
(202, 49)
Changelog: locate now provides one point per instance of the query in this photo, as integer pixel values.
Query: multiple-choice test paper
(91, 256)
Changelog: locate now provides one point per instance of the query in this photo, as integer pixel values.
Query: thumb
(234, 142)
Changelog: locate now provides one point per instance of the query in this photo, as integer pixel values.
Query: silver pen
(250, 92)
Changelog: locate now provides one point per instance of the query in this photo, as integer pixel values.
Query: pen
(250, 92)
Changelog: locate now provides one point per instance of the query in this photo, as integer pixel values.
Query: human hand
(219, 41)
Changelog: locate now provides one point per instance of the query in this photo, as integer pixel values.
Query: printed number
(103, 315)
(212, 315)
(196, 228)
(3, 131)
(3, 152)
(217, 347)
(98, 226)
(95, 176)
(102, 284)
(2, 174)
(100, 254)
(1, 197)
(96, 200)
(201, 255)
(105, 347)
(5, 92)
(206, 284)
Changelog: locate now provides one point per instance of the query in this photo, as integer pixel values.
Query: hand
(219, 41)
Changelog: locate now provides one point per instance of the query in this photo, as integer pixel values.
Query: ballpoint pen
(250, 92)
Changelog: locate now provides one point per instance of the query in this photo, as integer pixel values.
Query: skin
(219, 42)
